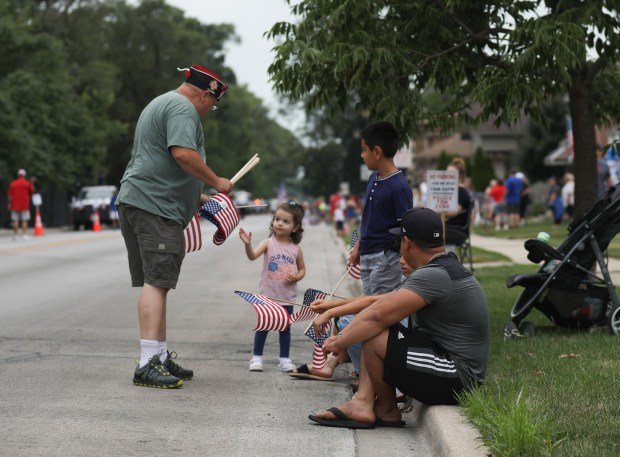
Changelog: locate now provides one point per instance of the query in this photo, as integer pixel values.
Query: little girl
(283, 266)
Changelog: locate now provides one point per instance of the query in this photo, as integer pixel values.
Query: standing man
(19, 194)
(514, 189)
(159, 194)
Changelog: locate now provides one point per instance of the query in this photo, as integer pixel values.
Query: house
(501, 144)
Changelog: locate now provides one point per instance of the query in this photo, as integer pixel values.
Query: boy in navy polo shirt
(388, 196)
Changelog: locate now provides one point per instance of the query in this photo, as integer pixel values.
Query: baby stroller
(567, 288)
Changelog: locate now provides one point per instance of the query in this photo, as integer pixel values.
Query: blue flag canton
(209, 209)
(354, 237)
(318, 339)
(252, 298)
(313, 294)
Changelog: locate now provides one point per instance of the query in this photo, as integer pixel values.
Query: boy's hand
(354, 259)
(246, 237)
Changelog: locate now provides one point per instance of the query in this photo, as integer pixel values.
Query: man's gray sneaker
(154, 374)
(175, 369)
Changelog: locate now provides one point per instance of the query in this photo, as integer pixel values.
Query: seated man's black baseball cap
(420, 223)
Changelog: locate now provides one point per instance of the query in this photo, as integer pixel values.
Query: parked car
(88, 200)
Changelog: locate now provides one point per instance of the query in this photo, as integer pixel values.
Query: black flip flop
(396, 424)
(342, 421)
(303, 372)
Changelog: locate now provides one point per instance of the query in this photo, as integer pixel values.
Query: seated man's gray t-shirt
(456, 318)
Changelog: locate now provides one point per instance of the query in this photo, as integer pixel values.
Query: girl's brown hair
(297, 211)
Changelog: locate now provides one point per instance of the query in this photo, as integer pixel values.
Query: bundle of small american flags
(221, 211)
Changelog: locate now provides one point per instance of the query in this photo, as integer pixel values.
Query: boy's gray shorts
(155, 248)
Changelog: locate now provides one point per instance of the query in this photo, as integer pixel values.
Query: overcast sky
(251, 18)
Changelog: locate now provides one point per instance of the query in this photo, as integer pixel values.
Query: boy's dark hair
(384, 135)
(297, 211)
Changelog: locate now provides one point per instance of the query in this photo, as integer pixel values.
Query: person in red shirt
(19, 194)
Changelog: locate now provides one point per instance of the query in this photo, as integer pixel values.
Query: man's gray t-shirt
(456, 318)
(153, 180)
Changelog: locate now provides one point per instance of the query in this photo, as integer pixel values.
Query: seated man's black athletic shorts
(419, 368)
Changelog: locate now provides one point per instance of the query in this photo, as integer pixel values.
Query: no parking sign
(443, 190)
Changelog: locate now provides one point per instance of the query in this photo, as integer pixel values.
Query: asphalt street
(69, 344)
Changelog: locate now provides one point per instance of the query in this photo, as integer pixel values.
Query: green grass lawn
(554, 394)
(557, 232)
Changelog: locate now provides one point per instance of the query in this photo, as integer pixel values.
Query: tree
(508, 56)
(45, 125)
(482, 170)
(542, 138)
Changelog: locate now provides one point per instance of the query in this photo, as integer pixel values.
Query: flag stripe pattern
(221, 211)
(271, 315)
(319, 359)
(304, 314)
(192, 235)
(355, 270)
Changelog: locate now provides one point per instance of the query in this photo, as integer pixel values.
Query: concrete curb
(447, 431)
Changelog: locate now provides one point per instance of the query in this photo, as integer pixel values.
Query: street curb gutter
(448, 433)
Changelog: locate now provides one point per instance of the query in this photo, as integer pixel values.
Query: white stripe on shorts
(430, 362)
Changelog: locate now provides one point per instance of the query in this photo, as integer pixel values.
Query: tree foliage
(75, 75)
(508, 56)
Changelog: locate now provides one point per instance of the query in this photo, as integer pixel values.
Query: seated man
(443, 350)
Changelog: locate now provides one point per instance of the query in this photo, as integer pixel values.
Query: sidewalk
(515, 250)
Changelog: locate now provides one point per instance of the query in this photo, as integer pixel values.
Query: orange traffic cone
(96, 222)
(38, 225)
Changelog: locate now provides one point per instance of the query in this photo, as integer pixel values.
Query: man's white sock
(162, 347)
(148, 349)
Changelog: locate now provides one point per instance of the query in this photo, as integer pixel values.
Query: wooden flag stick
(276, 299)
(247, 167)
(338, 285)
(279, 299)
(253, 206)
(243, 172)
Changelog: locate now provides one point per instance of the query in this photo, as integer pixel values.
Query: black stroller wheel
(527, 329)
(524, 303)
(614, 321)
(510, 330)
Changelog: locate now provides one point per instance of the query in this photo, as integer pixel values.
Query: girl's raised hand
(246, 237)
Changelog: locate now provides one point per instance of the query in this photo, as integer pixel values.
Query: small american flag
(271, 315)
(221, 211)
(355, 270)
(306, 314)
(192, 235)
(323, 334)
(319, 359)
